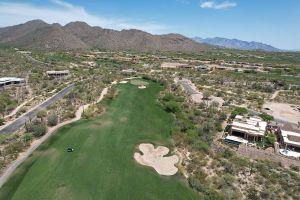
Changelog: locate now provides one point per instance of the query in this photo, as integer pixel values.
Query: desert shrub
(68, 114)
(266, 117)
(239, 111)
(252, 194)
(215, 104)
(37, 128)
(1, 121)
(206, 95)
(6, 102)
(219, 127)
(227, 153)
(168, 97)
(295, 168)
(52, 119)
(201, 146)
(27, 138)
(41, 114)
(207, 127)
(172, 106)
(206, 192)
(22, 110)
(270, 139)
(223, 116)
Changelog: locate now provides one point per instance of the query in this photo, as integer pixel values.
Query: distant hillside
(235, 44)
(37, 34)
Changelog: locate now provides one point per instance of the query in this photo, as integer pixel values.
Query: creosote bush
(52, 119)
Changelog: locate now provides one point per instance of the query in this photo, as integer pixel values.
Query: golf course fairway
(102, 166)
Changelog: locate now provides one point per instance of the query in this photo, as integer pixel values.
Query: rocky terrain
(37, 34)
(235, 44)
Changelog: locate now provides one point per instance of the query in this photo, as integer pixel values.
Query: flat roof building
(128, 71)
(58, 73)
(248, 128)
(6, 81)
(290, 143)
(290, 139)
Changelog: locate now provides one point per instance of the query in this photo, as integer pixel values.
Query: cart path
(275, 94)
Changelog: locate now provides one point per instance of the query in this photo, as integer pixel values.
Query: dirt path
(12, 113)
(275, 94)
(36, 143)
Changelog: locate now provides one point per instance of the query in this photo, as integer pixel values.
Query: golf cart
(70, 149)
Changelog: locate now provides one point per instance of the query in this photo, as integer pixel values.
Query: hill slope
(37, 34)
(235, 44)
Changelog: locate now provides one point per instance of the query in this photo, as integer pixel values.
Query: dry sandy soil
(154, 157)
(282, 111)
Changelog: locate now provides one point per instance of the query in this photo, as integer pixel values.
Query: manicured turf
(102, 166)
(138, 82)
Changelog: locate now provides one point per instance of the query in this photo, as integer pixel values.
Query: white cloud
(218, 6)
(63, 13)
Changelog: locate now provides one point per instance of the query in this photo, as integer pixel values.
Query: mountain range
(235, 44)
(37, 34)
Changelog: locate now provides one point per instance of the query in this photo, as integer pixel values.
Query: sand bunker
(154, 157)
(123, 82)
(142, 87)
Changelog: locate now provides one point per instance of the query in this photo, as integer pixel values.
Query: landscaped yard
(102, 165)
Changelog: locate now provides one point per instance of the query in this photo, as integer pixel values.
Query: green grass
(102, 166)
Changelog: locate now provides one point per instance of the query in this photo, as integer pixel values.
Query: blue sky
(275, 22)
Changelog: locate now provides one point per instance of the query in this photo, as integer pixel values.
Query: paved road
(30, 58)
(18, 123)
(187, 87)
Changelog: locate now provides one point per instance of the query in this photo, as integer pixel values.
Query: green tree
(270, 139)
(266, 117)
(239, 111)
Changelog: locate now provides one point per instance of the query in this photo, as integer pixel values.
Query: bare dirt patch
(154, 157)
(282, 111)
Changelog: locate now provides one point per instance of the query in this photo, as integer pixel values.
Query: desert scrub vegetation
(291, 96)
(235, 177)
(7, 103)
(214, 170)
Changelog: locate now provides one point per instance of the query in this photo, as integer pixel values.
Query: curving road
(18, 123)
